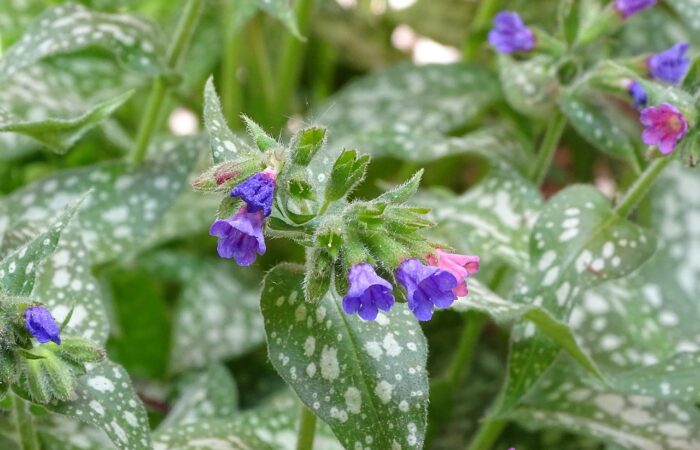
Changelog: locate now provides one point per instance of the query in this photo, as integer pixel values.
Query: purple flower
(664, 126)
(368, 292)
(257, 191)
(426, 286)
(628, 8)
(41, 325)
(670, 65)
(638, 94)
(509, 34)
(240, 236)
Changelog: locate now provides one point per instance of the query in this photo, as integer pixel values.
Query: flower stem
(487, 9)
(488, 433)
(549, 144)
(307, 429)
(261, 69)
(641, 186)
(25, 424)
(230, 88)
(154, 107)
(474, 322)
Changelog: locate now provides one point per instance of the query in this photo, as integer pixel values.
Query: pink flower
(664, 126)
(461, 266)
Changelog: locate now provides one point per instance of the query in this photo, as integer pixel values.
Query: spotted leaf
(367, 380)
(576, 243)
(209, 434)
(530, 86)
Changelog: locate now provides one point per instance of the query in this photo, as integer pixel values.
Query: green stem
(462, 360)
(292, 58)
(262, 70)
(549, 144)
(641, 186)
(487, 9)
(488, 433)
(25, 424)
(231, 100)
(181, 39)
(307, 429)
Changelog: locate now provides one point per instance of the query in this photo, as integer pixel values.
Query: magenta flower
(427, 287)
(461, 266)
(664, 125)
(638, 94)
(628, 8)
(257, 191)
(41, 325)
(368, 292)
(240, 236)
(670, 65)
(509, 34)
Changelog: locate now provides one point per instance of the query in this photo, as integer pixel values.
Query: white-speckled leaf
(72, 27)
(61, 133)
(126, 203)
(491, 218)
(106, 399)
(209, 434)
(57, 432)
(191, 214)
(224, 144)
(598, 128)
(217, 317)
(18, 269)
(688, 11)
(576, 243)
(210, 393)
(367, 380)
(530, 86)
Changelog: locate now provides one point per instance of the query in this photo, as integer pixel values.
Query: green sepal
(300, 189)
(9, 367)
(348, 171)
(317, 277)
(306, 143)
(228, 207)
(224, 176)
(403, 192)
(262, 140)
(329, 236)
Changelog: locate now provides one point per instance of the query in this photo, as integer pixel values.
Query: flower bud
(41, 325)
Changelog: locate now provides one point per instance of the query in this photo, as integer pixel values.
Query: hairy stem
(24, 423)
(307, 429)
(641, 186)
(549, 144)
(488, 433)
(154, 107)
(261, 69)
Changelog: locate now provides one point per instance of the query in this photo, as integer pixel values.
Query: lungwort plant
(495, 250)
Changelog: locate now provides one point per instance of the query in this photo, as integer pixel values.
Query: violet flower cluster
(42, 325)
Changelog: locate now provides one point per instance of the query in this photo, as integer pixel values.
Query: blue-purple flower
(368, 292)
(670, 65)
(628, 8)
(509, 34)
(664, 125)
(638, 94)
(240, 236)
(427, 287)
(41, 325)
(257, 191)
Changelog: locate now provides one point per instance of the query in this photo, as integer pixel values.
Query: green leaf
(263, 140)
(306, 143)
(191, 214)
(59, 433)
(401, 193)
(105, 398)
(217, 316)
(210, 434)
(675, 378)
(71, 27)
(18, 270)
(364, 379)
(210, 393)
(281, 10)
(127, 201)
(62, 133)
(689, 12)
(348, 171)
(598, 128)
(529, 86)
(489, 218)
(577, 243)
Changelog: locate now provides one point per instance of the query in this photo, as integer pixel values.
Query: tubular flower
(638, 94)
(427, 287)
(509, 34)
(368, 292)
(41, 325)
(670, 65)
(664, 125)
(628, 8)
(461, 266)
(240, 236)
(257, 191)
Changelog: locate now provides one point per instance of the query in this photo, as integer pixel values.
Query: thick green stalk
(307, 429)
(180, 43)
(261, 69)
(289, 69)
(641, 186)
(550, 142)
(231, 100)
(487, 9)
(25, 424)
(488, 434)
(462, 360)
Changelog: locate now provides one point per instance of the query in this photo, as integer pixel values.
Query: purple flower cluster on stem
(368, 292)
(628, 8)
(670, 65)
(427, 287)
(509, 34)
(41, 325)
